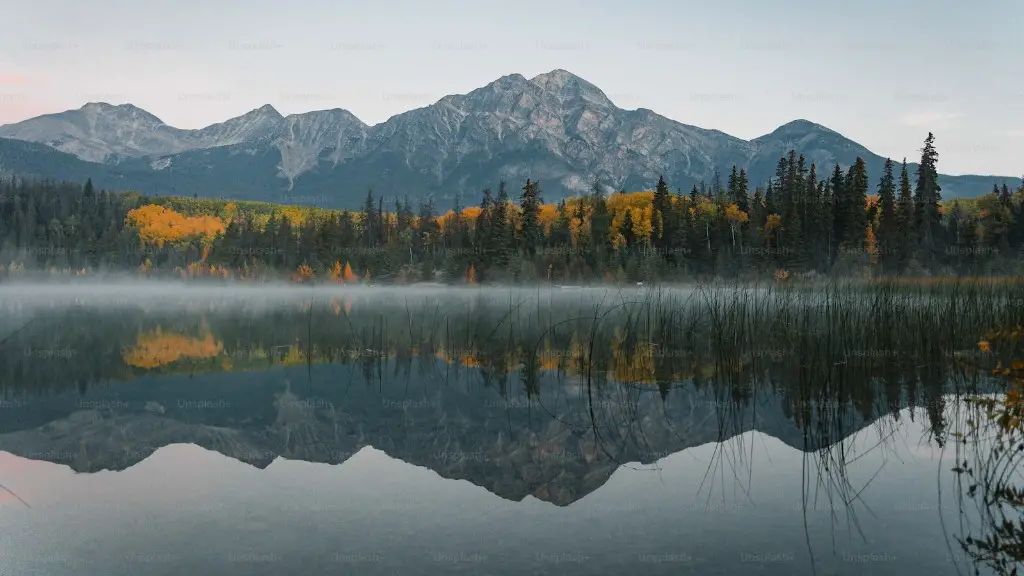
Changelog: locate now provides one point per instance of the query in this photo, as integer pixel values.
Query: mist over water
(128, 291)
(708, 428)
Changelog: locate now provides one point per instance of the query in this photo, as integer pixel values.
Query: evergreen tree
(888, 232)
(857, 197)
(927, 195)
(600, 223)
(529, 203)
(906, 217)
(370, 233)
(660, 208)
(840, 211)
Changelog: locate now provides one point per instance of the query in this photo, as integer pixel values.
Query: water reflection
(524, 436)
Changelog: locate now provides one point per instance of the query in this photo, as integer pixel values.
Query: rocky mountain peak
(569, 86)
(268, 111)
(798, 128)
(119, 113)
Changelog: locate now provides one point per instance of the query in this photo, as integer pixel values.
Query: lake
(169, 429)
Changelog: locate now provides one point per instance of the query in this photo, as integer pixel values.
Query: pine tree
(743, 191)
(660, 205)
(906, 216)
(857, 196)
(369, 222)
(887, 236)
(840, 211)
(529, 203)
(628, 231)
(927, 197)
(600, 223)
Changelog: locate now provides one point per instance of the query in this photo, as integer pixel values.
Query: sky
(883, 73)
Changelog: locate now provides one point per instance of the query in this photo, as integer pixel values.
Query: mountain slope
(556, 128)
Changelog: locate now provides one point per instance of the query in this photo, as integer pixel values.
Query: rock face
(556, 128)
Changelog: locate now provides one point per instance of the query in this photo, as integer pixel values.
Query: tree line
(800, 222)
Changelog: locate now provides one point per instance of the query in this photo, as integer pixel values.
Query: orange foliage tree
(160, 225)
(303, 274)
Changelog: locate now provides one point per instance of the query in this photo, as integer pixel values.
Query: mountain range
(556, 128)
(512, 447)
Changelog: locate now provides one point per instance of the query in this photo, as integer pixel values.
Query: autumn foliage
(155, 349)
(303, 274)
(159, 225)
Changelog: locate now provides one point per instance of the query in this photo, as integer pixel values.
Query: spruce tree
(887, 236)
(857, 196)
(927, 197)
(369, 221)
(529, 203)
(906, 216)
(660, 205)
(743, 191)
(840, 211)
(628, 231)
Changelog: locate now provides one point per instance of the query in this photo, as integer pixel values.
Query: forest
(804, 222)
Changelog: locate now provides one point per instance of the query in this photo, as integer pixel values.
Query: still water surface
(348, 434)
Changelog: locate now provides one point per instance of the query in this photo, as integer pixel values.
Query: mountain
(462, 430)
(556, 128)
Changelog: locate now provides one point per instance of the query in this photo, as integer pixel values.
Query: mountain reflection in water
(516, 436)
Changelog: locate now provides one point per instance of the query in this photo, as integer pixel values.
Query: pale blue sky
(883, 73)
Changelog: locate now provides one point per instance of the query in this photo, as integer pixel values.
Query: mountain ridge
(555, 127)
